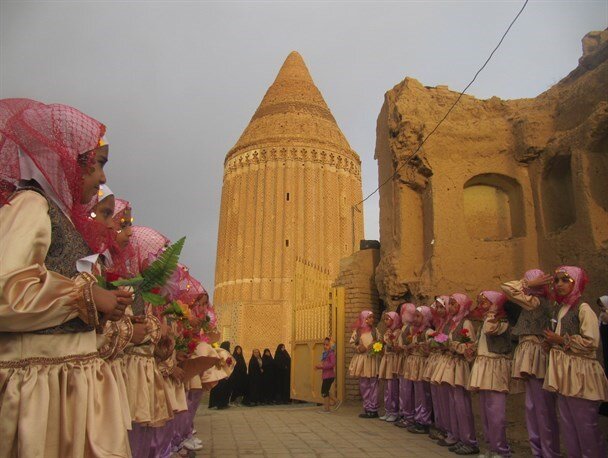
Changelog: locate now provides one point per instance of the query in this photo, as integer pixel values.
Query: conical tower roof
(293, 113)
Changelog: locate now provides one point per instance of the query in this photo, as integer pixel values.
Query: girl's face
(256, 353)
(124, 229)
(454, 306)
(93, 175)
(369, 320)
(326, 345)
(103, 211)
(388, 321)
(484, 303)
(239, 351)
(267, 353)
(281, 347)
(563, 283)
(417, 321)
(440, 309)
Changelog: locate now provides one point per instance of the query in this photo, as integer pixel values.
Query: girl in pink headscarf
(491, 372)
(453, 370)
(440, 395)
(419, 333)
(530, 360)
(406, 387)
(364, 365)
(574, 372)
(389, 366)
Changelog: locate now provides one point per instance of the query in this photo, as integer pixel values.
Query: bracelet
(91, 308)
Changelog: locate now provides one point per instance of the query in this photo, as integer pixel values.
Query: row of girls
(265, 380)
(434, 357)
(88, 370)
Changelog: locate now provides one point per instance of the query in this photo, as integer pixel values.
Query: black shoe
(445, 443)
(403, 423)
(436, 435)
(454, 448)
(364, 414)
(467, 450)
(418, 429)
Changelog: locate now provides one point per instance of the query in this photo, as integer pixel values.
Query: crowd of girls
(90, 367)
(431, 358)
(264, 381)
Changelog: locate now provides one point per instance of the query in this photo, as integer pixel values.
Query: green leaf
(161, 269)
(135, 281)
(154, 299)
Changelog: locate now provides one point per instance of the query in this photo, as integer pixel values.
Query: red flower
(464, 331)
(111, 276)
(155, 290)
(192, 346)
(229, 361)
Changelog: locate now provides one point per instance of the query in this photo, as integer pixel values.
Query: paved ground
(300, 431)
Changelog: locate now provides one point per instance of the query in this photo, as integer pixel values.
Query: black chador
(220, 395)
(269, 377)
(282, 364)
(238, 378)
(254, 393)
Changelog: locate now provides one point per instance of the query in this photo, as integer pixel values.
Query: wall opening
(287, 197)
(493, 207)
(287, 242)
(557, 194)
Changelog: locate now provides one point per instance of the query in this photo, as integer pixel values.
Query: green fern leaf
(135, 281)
(154, 299)
(157, 274)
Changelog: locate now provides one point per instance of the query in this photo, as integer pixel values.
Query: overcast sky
(177, 82)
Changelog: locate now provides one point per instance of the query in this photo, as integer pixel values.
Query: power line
(415, 153)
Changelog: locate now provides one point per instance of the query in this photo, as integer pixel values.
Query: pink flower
(441, 338)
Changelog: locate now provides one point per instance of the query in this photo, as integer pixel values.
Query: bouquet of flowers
(463, 336)
(377, 348)
(438, 340)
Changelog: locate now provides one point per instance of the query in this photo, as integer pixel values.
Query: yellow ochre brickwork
(290, 184)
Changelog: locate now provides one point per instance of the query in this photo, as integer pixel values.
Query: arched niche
(493, 207)
(557, 194)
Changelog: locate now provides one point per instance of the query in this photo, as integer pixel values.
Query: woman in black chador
(220, 395)
(238, 378)
(282, 364)
(254, 392)
(268, 377)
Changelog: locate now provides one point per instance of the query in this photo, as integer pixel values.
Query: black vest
(534, 322)
(500, 344)
(67, 246)
(570, 324)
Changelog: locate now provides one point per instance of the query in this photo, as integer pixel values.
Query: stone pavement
(300, 431)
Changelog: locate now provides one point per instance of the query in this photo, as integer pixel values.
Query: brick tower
(290, 184)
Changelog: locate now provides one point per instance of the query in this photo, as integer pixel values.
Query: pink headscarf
(498, 300)
(539, 291)
(440, 321)
(427, 316)
(396, 323)
(465, 306)
(407, 313)
(580, 281)
(360, 322)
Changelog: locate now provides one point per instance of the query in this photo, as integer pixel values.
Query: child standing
(406, 387)
(328, 366)
(530, 360)
(574, 372)
(454, 370)
(440, 395)
(491, 372)
(389, 366)
(414, 370)
(365, 365)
